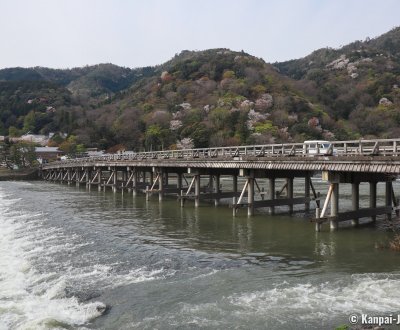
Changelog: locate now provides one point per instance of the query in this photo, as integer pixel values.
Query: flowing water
(73, 259)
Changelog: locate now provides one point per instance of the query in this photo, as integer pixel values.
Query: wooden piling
(289, 185)
(234, 183)
(334, 206)
(160, 184)
(197, 191)
(217, 189)
(114, 187)
(355, 200)
(317, 222)
(250, 196)
(372, 198)
(307, 191)
(388, 198)
(271, 192)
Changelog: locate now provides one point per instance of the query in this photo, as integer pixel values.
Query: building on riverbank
(48, 154)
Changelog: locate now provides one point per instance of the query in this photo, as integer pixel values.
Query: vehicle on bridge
(318, 147)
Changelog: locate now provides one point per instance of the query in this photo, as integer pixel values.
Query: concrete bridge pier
(307, 180)
(124, 178)
(77, 177)
(289, 185)
(234, 184)
(271, 193)
(217, 188)
(135, 180)
(250, 193)
(114, 184)
(197, 178)
(127, 183)
(151, 177)
(211, 183)
(179, 181)
(88, 178)
(372, 198)
(355, 200)
(333, 223)
(143, 177)
(99, 176)
(388, 198)
(165, 177)
(161, 181)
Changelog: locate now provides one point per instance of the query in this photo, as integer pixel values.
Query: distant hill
(213, 97)
(358, 83)
(90, 81)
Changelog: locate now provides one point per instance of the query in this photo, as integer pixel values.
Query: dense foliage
(212, 97)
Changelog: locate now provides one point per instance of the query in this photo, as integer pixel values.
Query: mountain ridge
(213, 97)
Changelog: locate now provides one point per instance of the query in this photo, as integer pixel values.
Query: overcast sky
(136, 33)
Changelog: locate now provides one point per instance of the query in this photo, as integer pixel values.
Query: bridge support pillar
(197, 190)
(135, 180)
(179, 186)
(151, 177)
(234, 183)
(217, 188)
(114, 186)
(124, 179)
(388, 198)
(250, 194)
(77, 177)
(372, 198)
(307, 191)
(88, 178)
(271, 192)
(165, 178)
(318, 224)
(355, 200)
(289, 185)
(99, 179)
(129, 173)
(179, 181)
(161, 180)
(334, 206)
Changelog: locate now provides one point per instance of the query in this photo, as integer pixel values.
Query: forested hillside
(213, 97)
(358, 84)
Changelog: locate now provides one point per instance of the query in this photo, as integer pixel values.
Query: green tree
(13, 131)
(22, 154)
(69, 146)
(153, 137)
(29, 122)
(220, 117)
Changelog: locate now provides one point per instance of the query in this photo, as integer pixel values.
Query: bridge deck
(371, 156)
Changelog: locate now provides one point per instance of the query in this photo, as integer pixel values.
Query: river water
(74, 259)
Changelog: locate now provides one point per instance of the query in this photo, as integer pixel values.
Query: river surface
(74, 259)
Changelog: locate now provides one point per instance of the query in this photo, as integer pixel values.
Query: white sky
(135, 33)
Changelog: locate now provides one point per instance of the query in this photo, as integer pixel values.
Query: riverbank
(23, 174)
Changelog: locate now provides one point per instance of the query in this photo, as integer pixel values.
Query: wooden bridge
(181, 172)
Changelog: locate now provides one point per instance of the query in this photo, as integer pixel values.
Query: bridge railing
(383, 147)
